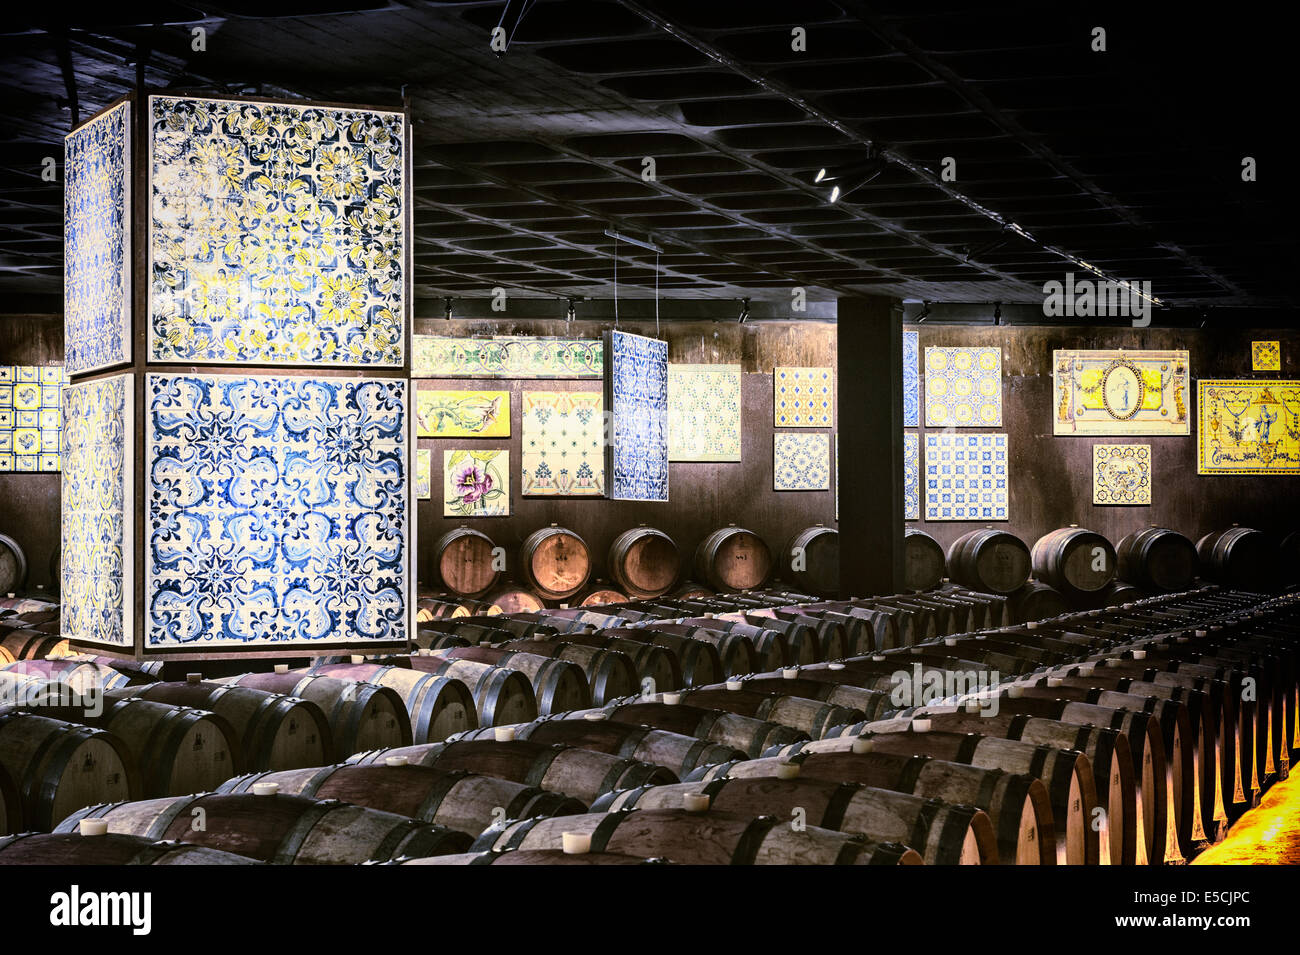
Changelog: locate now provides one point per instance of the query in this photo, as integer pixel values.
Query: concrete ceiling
(1128, 160)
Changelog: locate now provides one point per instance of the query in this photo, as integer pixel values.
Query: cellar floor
(1269, 834)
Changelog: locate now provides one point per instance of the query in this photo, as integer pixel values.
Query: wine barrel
(735, 650)
(465, 802)
(692, 591)
(944, 834)
(1017, 804)
(175, 749)
(750, 734)
(1035, 601)
(13, 565)
(275, 732)
(710, 838)
(285, 830)
(1290, 558)
(923, 563)
(362, 716)
(23, 644)
(559, 685)
(536, 857)
(437, 706)
(656, 667)
(644, 561)
(80, 675)
(1239, 557)
(1117, 593)
(500, 695)
(732, 558)
(1077, 562)
(431, 608)
(600, 595)
(60, 767)
(989, 561)
(699, 660)
(584, 774)
(510, 598)
(555, 562)
(66, 848)
(464, 561)
(811, 560)
(610, 674)
(1157, 559)
(11, 806)
(806, 715)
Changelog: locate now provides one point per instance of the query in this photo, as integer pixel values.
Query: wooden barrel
(429, 608)
(1239, 557)
(60, 767)
(692, 591)
(536, 857)
(923, 563)
(1017, 804)
(362, 716)
(285, 830)
(989, 561)
(644, 561)
(816, 683)
(656, 667)
(1077, 562)
(584, 774)
(437, 706)
(501, 695)
(806, 715)
(1156, 559)
(1290, 558)
(23, 644)
(699, 660)
(275, 731)
(601, 595)
(555, 562)
(811, 560)
(80, 675)
(749, 734)
(66, 848)
(710, 838)
(459, 800)
(1035, 601)
(11, 805)
(610, 674)
(511, 598)
(13, 565)
(944, 834)
(735, 650)
(732, 558)
(559, 685)
(1117, 593)
(464, 560)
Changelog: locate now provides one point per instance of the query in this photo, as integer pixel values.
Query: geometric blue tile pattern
(911, 477)
(636, 394)
(277, 510)
(911, 390)
(801, 462)
(965, 477)
(30, 420)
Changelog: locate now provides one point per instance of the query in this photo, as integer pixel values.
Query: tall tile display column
(238, 448)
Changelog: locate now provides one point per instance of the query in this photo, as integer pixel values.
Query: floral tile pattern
(963, 387)
(277, 510)
(1116, 391)
(476, 484)
(31, 421)
(636, 394)
(424, 474)
(435, 356)
(277, 233)
(1266, 356)
(463, 414)
(704, 412)
(1121, 474)
(966, 477)
(911, 477)
(911, 383)
(804, 397)
(97, 242)
(563, 443)
(98, 519)
(801, 462)
(1248, 427)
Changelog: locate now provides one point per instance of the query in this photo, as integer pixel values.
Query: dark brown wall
(29, 503)
(1051, 477)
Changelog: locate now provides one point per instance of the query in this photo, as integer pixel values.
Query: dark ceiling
(1128, 160)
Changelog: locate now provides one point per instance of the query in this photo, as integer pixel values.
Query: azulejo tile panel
(476, 483)
(636, 394)
(966, 477)
(1248, 427)
(31, 422)
(801, 462)
(1266, 356)
(563, 443)
(963, 387)
(435, 356)
(911, 382)
(277, 510)
(803, 397)
(1113, 391)
(97, 242)
(1121, 474)
(98, 515)
(704, 409)
(911, 476)
(424, 474)
(463, 414)
(277, 233)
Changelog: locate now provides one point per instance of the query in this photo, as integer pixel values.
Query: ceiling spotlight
(572, 312)
(821, 174)
(851, 178)
(446, 307)
(835, 194)
(997, 313)
(925, 312)
(744, 311)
